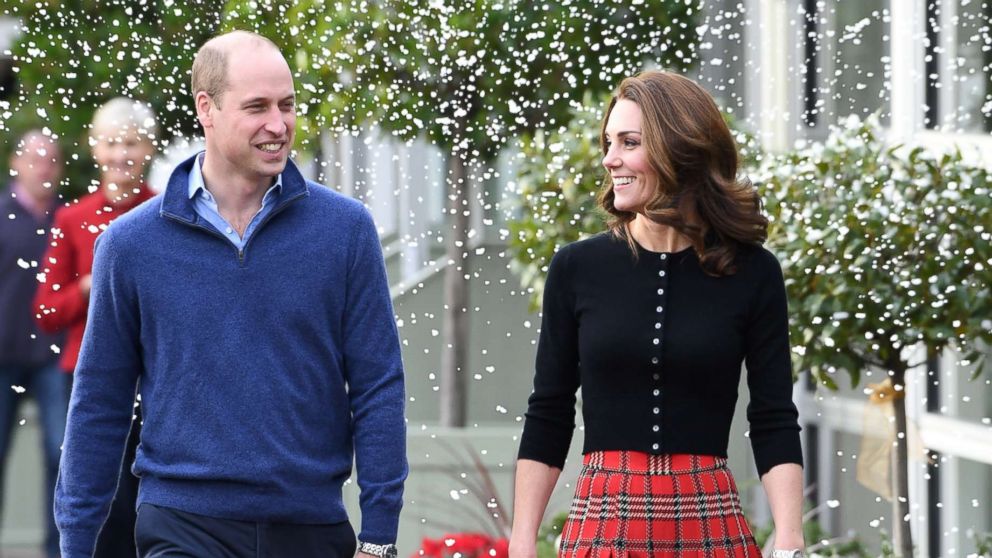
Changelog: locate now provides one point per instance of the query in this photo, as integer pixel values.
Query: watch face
(390, 551)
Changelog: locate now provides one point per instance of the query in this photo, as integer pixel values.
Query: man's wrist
(377, 550)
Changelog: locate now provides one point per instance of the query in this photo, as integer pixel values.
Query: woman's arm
(550, 417)
(534, 483)
(62, 299)
(784, 486)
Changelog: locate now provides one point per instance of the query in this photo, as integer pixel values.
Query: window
(847, 60)
(967, 68)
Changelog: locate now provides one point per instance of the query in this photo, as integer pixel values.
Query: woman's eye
(631, 143)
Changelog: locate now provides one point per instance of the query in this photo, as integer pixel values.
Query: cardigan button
(656, 410)
(657, 392)
(661, 273)
(656, 428)
(656, 340)
(664, 256)
(661, 291)
(657, 325)
(657, 376)
(654, 360)
(659, 309)
(654, 447)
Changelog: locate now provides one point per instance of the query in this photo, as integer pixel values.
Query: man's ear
(204, 109)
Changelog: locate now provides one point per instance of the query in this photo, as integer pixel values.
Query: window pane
(723, 52)
(970, 507)
(961, 396)
(860, 45)
(971, 67)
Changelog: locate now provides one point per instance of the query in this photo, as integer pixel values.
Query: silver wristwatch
(794, 553)
(379, 550)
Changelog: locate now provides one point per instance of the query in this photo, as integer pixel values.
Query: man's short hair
(210, 66)
(124, 112)
(30, 134)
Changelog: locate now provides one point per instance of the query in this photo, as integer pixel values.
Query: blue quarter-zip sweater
(263, 371)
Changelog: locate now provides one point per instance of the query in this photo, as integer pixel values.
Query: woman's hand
(522, 547)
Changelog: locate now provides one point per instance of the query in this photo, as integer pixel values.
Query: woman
(653, 319)
(121, 138)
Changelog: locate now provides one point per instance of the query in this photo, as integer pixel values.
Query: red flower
(468, 545)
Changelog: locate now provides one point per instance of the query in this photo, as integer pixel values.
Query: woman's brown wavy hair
(694, 158)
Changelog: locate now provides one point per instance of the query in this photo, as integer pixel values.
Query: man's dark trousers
(116, 539)
(163, 532)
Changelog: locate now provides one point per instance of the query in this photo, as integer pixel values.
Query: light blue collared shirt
(206, 206)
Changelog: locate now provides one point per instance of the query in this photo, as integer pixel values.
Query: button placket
(658, 325)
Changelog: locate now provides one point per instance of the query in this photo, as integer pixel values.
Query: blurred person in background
(121, 139)
(28, 361)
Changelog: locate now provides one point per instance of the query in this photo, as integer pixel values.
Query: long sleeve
(58, 302)
(550, 418)
(774, 427)
(101, 405)
(374, 372)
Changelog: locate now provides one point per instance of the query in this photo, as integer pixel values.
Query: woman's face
(121, 153)
(626, 158)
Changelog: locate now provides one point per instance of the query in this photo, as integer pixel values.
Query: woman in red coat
(121, 137)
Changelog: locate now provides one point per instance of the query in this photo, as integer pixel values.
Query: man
(28, 361)
(253, 307)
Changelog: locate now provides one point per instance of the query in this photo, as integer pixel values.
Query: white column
(383, 181)
(409, 227)
(342, 164)
(947, 104)
(907, 36)
(915, 398)
(777, 75)
(949, 470)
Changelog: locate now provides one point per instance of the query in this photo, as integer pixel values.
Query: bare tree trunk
(454, 351)
(902, 535)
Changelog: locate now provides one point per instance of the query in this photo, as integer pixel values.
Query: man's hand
(85, 282)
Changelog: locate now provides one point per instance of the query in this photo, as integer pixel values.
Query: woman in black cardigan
(653, 319)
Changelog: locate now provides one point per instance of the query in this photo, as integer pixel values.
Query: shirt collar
(196, 181)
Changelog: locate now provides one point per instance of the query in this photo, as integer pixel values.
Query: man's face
(121, 153)
(38, 165)
(253, 127)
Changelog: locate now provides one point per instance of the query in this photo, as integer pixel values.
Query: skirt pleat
(635, 505)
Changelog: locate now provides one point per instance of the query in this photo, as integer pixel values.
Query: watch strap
(379, 550)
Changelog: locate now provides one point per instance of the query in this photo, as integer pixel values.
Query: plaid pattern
(633, 504)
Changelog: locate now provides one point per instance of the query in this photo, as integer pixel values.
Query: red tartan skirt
(633, 504)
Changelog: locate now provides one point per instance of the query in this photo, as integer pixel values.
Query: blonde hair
(122, 112)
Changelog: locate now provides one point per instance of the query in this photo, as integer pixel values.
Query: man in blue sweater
(249, 307)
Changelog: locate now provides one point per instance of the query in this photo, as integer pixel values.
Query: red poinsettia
(466, 545)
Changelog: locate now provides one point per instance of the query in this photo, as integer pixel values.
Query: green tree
(886, 252)
(72, 56)
(468, 77)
